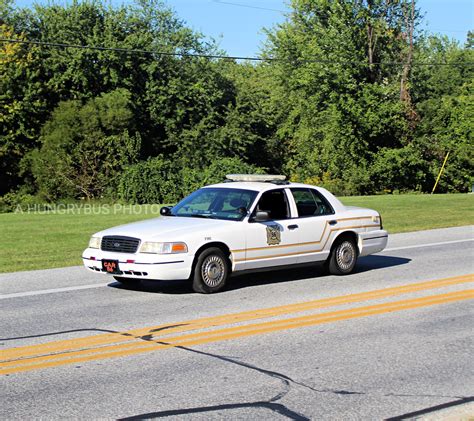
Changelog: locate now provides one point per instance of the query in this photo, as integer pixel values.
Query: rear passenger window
(310, 203)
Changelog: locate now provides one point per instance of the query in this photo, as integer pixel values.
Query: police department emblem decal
(273, 235)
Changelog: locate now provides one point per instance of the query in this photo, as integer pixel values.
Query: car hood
(165, 228)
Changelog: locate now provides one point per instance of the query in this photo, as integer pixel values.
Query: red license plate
(111, 266)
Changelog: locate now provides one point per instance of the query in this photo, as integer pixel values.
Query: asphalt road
(76, 346)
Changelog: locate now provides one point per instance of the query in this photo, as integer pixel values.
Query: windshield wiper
(201, 215)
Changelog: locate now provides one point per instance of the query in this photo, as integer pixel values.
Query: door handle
(333, 222)
(292, 227)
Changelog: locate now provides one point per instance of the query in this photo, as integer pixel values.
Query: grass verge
(416, 212)
(47, 240)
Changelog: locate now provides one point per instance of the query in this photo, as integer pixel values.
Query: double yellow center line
(138, 341)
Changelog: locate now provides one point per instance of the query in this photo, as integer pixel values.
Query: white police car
(247, 222)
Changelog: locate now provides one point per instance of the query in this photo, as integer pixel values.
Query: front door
(272, 242)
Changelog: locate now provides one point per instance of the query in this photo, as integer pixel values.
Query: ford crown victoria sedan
(247, 222)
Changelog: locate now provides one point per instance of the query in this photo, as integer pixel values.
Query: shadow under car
(246, 279)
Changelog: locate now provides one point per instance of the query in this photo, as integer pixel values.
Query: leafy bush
(151, 181)
(218, 169)
(159, 180)
(84, 147)
(14, 201)
(401, 169)
(334, 185)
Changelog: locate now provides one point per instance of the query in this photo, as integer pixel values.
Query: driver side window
(275, 203)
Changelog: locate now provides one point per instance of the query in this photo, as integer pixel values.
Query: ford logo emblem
(116, 245)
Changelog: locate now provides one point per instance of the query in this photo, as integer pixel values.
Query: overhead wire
(223, 57)
(248, 6)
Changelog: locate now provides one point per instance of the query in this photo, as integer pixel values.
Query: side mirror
(165, 211)
(261, 216)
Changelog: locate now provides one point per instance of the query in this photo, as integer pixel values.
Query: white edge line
(52, 291)
(428, 245)
(81, 287)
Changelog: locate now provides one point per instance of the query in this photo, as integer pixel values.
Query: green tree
(447, 127)
(21, 105)
(445, 106)
(168, 94)
(241, 121)
(341, 107)
(85, 147)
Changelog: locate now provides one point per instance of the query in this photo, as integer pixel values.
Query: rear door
(315, 217)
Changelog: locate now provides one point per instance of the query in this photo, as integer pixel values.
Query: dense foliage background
(345, 100)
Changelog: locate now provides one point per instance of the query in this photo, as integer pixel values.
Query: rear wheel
(211, 271)
(343, 257)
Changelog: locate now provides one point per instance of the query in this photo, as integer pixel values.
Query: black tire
(130, 282)
(343, 257)
(211, 271)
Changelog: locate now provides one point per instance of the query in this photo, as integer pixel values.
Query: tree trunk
(405, 97)
(409, 24)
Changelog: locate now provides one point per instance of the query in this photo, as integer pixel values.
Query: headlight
(94, 242)
(163, 248)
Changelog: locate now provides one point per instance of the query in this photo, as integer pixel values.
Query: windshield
(216, 203)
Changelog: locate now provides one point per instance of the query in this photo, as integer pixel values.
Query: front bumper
(141, 265)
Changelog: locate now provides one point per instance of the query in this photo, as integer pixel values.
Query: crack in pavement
(275, 407)
(269, 404)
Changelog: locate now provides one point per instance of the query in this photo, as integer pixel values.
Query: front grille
(119, 244)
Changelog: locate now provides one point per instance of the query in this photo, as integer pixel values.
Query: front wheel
(343, 257)
(211, 271)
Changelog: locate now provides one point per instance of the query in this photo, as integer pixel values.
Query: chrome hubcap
(213, 270)
(345, 255)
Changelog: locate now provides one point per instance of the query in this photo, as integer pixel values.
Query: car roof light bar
(277, 179)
